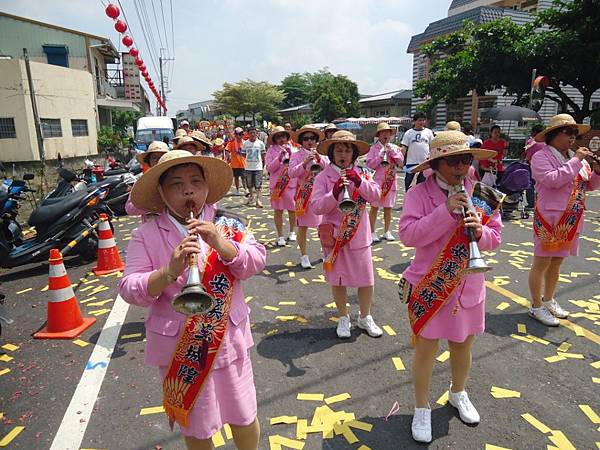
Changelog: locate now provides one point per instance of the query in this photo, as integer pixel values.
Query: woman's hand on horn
(180, 256)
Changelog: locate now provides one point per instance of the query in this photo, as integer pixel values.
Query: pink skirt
(308, 219)
(553, 217)
(228, 396)
(456, 324)
(389, 201)
(352, 268)
(286, 202)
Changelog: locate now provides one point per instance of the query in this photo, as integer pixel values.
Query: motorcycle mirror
(67, 175)
(28, 176)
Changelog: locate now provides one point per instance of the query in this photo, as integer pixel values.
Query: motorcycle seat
(46, 214)
(118, 171)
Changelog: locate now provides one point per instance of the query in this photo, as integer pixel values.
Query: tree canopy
(249, 97)
(563, 44)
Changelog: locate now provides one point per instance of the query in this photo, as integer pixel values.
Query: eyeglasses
(454, 161)
(309, 138)
(570, 131)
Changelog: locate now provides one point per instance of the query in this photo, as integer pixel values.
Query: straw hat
(179, 133)
(331, 126)
(308, 129)
(154, 147)
(342, 137)
(451, 143)
(275, 131)
(218, 142)
(189, 140)
(199, 136)
(453, 125)
(217, 174)
(384, 127)
(559, 121)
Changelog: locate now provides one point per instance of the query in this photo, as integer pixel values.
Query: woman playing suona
(305, 164)
(445, 300)
(281, 185)
(340, 195)
(562, 177)
(384, 157)
(203, 357)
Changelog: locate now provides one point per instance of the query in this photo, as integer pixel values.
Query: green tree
(123, 119)
(296, 87)
(502, 54)
(249, 97)
(332, 96)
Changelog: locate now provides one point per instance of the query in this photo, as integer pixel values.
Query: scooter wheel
(88, 249)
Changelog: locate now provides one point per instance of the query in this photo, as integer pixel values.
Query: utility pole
(161, 61)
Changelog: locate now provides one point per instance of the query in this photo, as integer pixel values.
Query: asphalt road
(296, 352)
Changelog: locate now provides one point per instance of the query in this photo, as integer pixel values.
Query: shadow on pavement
(127, 328)
(503, 325)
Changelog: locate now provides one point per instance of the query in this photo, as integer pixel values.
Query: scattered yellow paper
(594, 379)
(272, 332)
(284, 419)
(5, 358)
(4, 371)
(334, 319)
(247, 299)
(443, 399)
(152, 410)
(286, 442)
(398, 364)
(218, 440)
(310, 397)
(444, 356)
(595, 365)
(360, 425)
(588, 411)
(227, 430)
(271, 308)
(537, 339)
(287, 303)
(502, 306)
(504, 393)
(10, 436)
(495, 447)
(521, 328)
(10, 347)
(572, 355)
(304, 281)
(536, 423)
(364, 447)
(131, 336)
(389, 330)
(301, 427)
(564, 347)
(99, 312)
(285, 318)
(337, 398)
(81, 343)
(101, 303)
(559, 439)
(522, 338)
(23, 291)
(555, 358)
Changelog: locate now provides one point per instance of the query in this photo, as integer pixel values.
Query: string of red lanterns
(114, 12)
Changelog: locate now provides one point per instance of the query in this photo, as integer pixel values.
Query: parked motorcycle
(4, 317)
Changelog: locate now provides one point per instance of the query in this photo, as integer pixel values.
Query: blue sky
(220, 41)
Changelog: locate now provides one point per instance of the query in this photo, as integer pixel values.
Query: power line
(156, 22)
(162, 13)
(150, 53)
(172, 68)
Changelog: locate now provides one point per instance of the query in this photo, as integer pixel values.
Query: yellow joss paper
(218, 440)
(555, 358)
(504, 393)
(443, 399)
(521, 328)
(564, 347)
(285, 442)
(522, 338)
(10, 347)
(572, 355)
(590, 413)
(271, 308)
(337, 398)
(389, 330)
(301, 427)
(502, 306)
(284, 419)
(364, 426)
(595, 365)
(559, 439)
(398, 364)
(536, 423)
(131, 336)
(444, 356)
(227, 430)
(81, 343)
(4, 371)
(310, 397)
(495, 447)
(12, 434)
(152, 410)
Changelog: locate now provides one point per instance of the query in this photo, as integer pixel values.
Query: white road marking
(76, 418)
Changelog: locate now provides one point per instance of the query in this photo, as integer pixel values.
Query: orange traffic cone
(64, 315)
(109, 260)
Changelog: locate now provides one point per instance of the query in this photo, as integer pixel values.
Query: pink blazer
(150, 248)
(426, 224)
(374, 161)
(554, 180)
(275, 167)
(323, 202)
(298, 170)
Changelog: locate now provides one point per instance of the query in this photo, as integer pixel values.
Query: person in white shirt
(254, 149)
(415, 148)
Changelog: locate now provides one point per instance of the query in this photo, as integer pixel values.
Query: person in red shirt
(499, 145)
(237, 160)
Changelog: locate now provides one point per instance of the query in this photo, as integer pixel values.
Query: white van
(153, 128)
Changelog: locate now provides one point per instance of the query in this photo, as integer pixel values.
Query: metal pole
(533, 74)
(162, 81)
(36, 117)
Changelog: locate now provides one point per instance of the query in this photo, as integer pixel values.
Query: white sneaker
(421, 425)
(305, 262)
(343, 327)
(375, 237)
(281, 241)
(367, 323)
(389, 236)
(544, 315)
(291, 236)
(466, 410)
(555, 309)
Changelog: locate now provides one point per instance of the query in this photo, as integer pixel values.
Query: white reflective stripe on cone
(62, 295)
(104, 226)
(107, 243)
(57, 271)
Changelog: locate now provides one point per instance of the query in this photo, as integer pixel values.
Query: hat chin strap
(181, 219)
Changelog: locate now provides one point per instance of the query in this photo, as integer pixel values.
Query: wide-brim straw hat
(451, 143)
(217, 175)
(218, 142)
(201, 137)
(189, 140)
(342, 137)
(560, 121)
(179, 133)
(384, 127)
(452, 125)
(331, 126)
(154, 147)
(275, 131)
(308, 129)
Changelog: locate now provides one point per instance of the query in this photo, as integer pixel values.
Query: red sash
(281, 184)
(446, 272)
(348, 227)
(201, 339)
(303, 194)
(560, 237)
(389, 177)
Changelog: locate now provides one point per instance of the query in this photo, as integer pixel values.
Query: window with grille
(51, 128)
(7, 128)
(79, 127)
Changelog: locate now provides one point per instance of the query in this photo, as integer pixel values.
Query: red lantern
(127, 41)
(139, 61)
(120, 26)
(145, 73)
(112, 11)
(134, 52)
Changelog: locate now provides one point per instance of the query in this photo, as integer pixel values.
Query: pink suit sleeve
(373, 158)
(250, 259)
(490, 237)
(272, 160)
(369, 190)
(397, 156)
(322, 199)
(594, 182)
(296, 168)
(131, 209)
(544, 172)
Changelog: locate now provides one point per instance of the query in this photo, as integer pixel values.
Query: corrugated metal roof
(403, 93)
(458, 3)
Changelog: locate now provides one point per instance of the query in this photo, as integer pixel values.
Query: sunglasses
(309, 138)
(454, 161)
(570, 131)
